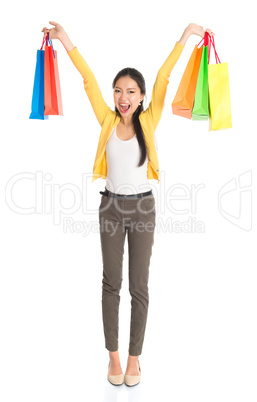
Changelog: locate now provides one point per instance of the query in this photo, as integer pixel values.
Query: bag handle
(43, 43)
(212, 44)
(208, 40)
(48, 42)
(205, 40)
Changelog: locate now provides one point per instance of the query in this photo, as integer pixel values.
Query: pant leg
(140, 242)
(112, 236)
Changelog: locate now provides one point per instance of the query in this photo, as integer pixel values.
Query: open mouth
(124, 108)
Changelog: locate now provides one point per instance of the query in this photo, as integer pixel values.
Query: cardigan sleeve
(90, 84)
(154, 110)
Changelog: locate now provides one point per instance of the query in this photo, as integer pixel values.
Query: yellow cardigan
(108, 118)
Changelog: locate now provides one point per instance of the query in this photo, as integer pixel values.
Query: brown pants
(136, 217)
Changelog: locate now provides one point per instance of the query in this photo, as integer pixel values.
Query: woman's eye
(130, 92)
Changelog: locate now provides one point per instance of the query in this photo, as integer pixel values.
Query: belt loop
(141, 195)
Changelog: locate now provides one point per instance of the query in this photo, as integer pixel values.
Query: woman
(126, 157)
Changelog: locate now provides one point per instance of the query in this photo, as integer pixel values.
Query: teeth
(124, 107)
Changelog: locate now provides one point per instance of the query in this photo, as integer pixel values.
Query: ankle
(114, 356)
(132, 359)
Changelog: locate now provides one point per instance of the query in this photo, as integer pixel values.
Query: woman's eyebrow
(127, 88)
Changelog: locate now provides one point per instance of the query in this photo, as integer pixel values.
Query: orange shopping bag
(183, 102)
(52, 95)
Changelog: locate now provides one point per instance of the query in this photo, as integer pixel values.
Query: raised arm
(90, 84)
(154, 110)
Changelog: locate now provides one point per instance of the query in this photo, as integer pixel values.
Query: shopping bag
(52, 97)
(183, 101)
(37, 104)
(201, 102)
(219, 94)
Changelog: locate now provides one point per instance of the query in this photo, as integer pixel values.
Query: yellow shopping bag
(219, 94)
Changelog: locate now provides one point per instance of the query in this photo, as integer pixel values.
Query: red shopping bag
(52, 94)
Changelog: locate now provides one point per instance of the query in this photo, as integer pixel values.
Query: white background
(200, 341)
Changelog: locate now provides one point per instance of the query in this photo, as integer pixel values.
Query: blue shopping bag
(37, 104)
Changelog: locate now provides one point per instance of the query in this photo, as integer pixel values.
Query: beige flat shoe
(131, 380)
(115, 379)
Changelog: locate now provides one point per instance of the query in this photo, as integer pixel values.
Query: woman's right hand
(54, 33)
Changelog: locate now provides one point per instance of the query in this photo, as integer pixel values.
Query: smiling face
(127, 96)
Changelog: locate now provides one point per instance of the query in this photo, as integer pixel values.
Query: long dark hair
(138, 77)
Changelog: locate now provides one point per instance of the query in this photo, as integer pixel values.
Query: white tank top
(123, 174)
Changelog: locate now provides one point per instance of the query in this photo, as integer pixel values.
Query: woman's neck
(126, 121)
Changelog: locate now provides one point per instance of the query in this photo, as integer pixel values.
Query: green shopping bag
(201, 102)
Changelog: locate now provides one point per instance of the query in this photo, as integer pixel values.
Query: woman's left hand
(194, 29)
